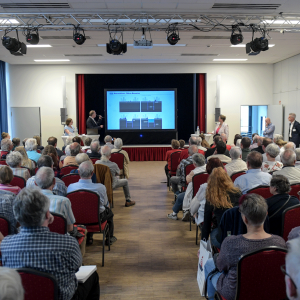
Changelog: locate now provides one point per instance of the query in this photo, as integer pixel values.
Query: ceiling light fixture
(114, 46)
(50, 60)
(257, 45)
(236, 38)
(39, 46)
(32, 35)
(230, 59)
(172, 34)
(13, 45)
(244, 45)
(78, 38)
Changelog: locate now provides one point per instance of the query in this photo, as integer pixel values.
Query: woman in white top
(69, 129)
(272, 150)
(222, 127)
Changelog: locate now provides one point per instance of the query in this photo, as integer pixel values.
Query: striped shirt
(22, 172)
(7, 187)
(60, 205)
(6, 209)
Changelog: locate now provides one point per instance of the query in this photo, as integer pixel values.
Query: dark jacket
(91, 124)
(274, 203)
(59, 152)
(295, 133)
(94, 155)
(245, 153)
(211, 151)
(258, 149)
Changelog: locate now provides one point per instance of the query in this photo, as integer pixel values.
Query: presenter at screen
(222, 127)
(91, 122)
(270, 128)
(69, 129)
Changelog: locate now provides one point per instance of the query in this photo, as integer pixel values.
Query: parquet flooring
(154, 257)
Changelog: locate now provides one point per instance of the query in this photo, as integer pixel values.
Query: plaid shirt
(182, 165)
(38, 248)
(21, 172)
(59, 189)
(6, 209)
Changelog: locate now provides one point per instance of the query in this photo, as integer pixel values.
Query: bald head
(224, 137)
(74, 149)
(268, 121)
(290, 146)
(192, 150)
(106, 151)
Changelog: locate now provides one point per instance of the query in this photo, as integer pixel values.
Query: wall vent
(34, 5)
(262, 6)
(210, 37)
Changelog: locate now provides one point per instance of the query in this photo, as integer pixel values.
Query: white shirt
(291, 127)
(277, 158)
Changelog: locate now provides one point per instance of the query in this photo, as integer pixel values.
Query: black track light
(236, 38)
(32, 35)
(13, 45)
(79, 38)
(172, 34)
(115, 47)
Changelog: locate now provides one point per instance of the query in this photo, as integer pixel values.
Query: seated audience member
(236, 138)
(16, 143)
(59, 187)
(10, 285)
(288, 158)
(24, 142)
(6, 147)
(74, 150)
(259, 145)
(192, 141)
(238, 143)
(175, 148)
(51, 151)
(80, 158)
(181, 144)
(254, 176)
(45, 180)
(7, 199)
(254, 210)
(212, 150)
(14, 160)
(53, 142)
(87, 144)
(115, 171)
(26, 162)
(67, 153)
(279, 187)
(69, 141)
(281, 144)
(237, 164)
(291, 269)
(224, 139)
(118, 144)
(86, 170)
(297, 151)
(220, 153)
(46, 251)
(95, 150)
(204, 142)
(288, 146)
(77, 139)
(6, 176)
(271, 164)
(277, 137)
(180, 177)
(265, 144)
(38, 141)
(220, 195)
(108, 141)
(30, 147)
(5, 135)
(254, 141)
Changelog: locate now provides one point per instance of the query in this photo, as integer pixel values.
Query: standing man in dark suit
(91, 122)
(294, 130)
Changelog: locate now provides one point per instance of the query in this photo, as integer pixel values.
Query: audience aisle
(154, 257)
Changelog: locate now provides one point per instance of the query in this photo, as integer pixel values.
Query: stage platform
(147, 152)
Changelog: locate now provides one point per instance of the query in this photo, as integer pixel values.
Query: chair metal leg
(197, 235)
(103, 248)
(190, 223)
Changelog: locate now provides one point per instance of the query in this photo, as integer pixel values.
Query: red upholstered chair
(224, 163)
(262, 190)
(38, 285)
(70, 178)
(260, 269)
(18, 181)
(67, 169)
(295, 188)
(4, 226)
(85, 207)
(174, 157)
(59, 225)
(38, 151)
(3, 162)
(234, 176)
(290, 220)
(187, 169)
(118, 158)
(94, 159)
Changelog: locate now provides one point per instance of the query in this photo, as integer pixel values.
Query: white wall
(286, 88)
(40, 85)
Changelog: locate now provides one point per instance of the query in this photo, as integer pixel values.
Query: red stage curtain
(146, 153)
(202, 102)
(81, 104)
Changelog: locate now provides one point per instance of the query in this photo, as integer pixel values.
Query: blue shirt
(38, 248)
(33, 155)
(60, 205)
(6, 209)
(71, 129)
(87, 184)
(252, 179)
(269, 131)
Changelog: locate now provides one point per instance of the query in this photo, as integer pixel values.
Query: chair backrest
(67, 169)
(262, 190)
(174, 160)
(4, 226)
(38, 285)
(18, 181)
(59, 225)
(118, 158)
(234, 176)
(261, 269)
(197, 180)
(224, 163)
(189, 168)
(70, 178)
(3, 162)
(290, 220)
(85, 206)
(295, 188)
(94, 159)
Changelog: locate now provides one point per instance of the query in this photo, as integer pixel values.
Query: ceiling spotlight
(32, 35)
(13, 45)
(114, 46)
(172, 34)
(79, 38)
(236, 38)
(257, 45)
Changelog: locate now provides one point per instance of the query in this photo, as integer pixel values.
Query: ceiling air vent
(87, 55)
(262, 6)
(210, 37)
(195, 54)
(59, 37)
(34, 5)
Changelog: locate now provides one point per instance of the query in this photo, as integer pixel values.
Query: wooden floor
(154, 257)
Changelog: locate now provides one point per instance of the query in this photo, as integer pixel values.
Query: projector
(142, 43)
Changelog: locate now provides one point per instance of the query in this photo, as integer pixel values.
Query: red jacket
(168, 156)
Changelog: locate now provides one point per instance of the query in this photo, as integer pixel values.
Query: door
(25, 122)
(275, 113)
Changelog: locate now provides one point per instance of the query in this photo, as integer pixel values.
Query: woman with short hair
(69, 128)
(254, 211)
(6, 176)
(16, 142)
(271, 164)
(14, 160)
(222, 127)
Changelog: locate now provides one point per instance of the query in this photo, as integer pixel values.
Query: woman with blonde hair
(5, 135)
(26, 162)
(38, 141)
(221, 195)
(204, 142)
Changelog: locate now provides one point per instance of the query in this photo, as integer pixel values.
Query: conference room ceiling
(197, 46)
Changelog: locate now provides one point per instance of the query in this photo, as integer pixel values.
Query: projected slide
(140, 110)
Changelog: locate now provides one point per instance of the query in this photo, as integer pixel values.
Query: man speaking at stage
(92, 123)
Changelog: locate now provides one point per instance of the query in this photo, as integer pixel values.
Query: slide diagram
(143, 123)
(140, 106)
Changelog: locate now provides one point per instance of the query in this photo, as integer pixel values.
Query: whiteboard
(25, 122)
(275, 113)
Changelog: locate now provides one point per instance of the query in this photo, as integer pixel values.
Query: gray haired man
(236, 164)
(14, 160)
